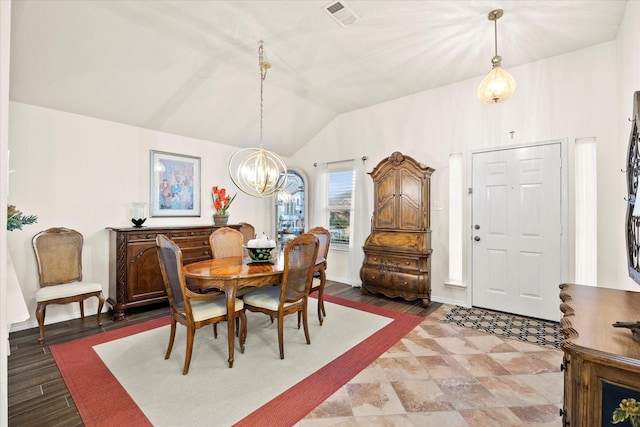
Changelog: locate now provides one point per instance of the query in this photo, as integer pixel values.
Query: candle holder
(137, 223)
(137, 214)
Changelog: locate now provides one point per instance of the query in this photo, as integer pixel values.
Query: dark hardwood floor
(38, 395)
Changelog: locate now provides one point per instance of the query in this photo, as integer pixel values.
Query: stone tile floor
(446, 375)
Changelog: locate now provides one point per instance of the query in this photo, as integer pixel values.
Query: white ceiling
(191, 67)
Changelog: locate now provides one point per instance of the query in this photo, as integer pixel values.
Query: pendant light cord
(264, 66)
(494, 15)
(495, 35)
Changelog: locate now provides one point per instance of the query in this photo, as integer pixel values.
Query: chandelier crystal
(498, 85)
(256, 171)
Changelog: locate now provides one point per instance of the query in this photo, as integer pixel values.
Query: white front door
(516, 230)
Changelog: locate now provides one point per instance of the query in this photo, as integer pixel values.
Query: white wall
(5, 48)
(571, 96)
(83, 173)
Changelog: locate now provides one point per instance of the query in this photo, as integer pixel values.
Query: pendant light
(498, 85)
(256, 171)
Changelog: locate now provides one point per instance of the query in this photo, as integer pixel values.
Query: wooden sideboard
(134, 272)
(601, 363)
(397, 253)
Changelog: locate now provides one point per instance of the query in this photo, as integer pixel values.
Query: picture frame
(174, 185)
(613, 407)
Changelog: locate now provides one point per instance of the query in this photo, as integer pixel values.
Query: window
(456, 195)
(340, 182)
(291, 208)
(586, 211)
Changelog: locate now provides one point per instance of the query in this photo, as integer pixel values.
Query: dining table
(233, 274)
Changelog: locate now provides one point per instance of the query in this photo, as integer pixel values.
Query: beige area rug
(214, 394)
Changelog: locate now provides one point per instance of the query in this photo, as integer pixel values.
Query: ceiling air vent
(341, 13)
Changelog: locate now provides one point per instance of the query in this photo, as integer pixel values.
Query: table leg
(230, 292)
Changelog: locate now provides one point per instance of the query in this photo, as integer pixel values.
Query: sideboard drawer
(194, 254)
(393, 263)
(407, 282)
(197, 243)
(142, 236)
(179, 234)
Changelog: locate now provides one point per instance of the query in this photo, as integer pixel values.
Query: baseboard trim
(450, 301)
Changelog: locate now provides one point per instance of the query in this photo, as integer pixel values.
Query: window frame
(333, 168)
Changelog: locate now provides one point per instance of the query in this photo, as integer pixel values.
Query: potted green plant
(16, 219)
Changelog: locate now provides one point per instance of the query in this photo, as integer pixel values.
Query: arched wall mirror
(291, 208)
(633, 203)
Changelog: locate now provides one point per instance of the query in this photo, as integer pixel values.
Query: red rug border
(118, 408)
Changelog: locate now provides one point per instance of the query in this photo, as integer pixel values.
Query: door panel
(410, 193)
(144, 277)
(496, 271)
(531, 264)
(516, 215)
(386, 201)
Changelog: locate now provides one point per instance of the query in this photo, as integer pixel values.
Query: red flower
(221, 201)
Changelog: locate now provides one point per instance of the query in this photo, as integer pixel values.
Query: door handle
(477, 238)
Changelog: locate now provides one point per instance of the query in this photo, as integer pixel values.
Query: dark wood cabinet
(134, 273)
(601, 363)
(397, 260)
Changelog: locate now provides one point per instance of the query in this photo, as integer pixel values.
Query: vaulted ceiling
(191, 67)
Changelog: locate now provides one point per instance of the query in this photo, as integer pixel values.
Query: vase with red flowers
(221, 202)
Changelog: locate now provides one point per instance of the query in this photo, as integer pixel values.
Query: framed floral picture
(620, 405)
(174, 185)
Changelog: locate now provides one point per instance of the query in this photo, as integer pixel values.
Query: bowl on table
(260, 254)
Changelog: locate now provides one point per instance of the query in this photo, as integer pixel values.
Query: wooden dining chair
(248, 232)
(319, 273)
(292, 294)
(225, 242)
(59, 258)
(193, 310)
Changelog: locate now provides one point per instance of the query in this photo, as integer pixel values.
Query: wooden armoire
(397, 253)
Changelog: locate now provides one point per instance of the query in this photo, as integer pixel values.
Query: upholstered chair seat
(204, 309)
(266, 298)
(66, 290)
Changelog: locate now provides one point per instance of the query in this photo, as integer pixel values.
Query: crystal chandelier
(256, 171)
(498, 85)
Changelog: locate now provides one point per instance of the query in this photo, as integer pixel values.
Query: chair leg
(215, 330)
(82, 309)
(299, 317)
(100, 305)
(243, 329)
(40, 313)
(305, 323)
(187, 357)
(281, 334)
(321, 298)
(320, 310)
(172, 337)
